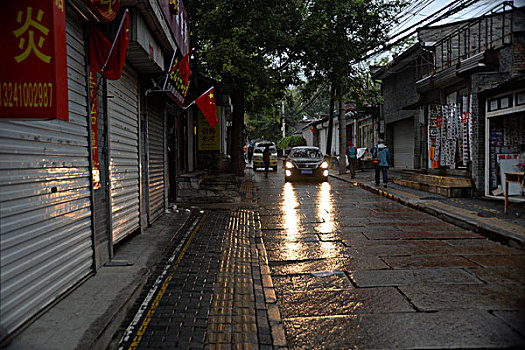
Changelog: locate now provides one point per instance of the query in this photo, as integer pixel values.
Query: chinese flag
(206, 103)
(100, 49)
(184, 68)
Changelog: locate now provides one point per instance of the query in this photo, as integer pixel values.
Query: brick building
(459, 93)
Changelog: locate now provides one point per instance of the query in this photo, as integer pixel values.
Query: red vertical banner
(94, 127)
(33, 73)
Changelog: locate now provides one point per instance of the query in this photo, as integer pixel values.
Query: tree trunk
(342, 138)
(236, 150)
(330, 123)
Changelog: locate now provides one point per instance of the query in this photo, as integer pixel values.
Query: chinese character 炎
(27, 28)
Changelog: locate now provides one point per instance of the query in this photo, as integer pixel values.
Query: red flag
(184, 68)
(101, 51)
(206, 103)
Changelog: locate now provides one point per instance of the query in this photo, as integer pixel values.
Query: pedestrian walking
(266, 158)
(382, 160)
(351, 155)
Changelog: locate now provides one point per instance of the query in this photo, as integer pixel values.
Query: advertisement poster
(208, 138)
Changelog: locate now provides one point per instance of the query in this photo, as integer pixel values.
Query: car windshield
(273, 149)
(306, 153)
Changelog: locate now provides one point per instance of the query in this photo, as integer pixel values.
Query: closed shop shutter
(403, 153)
(156, 161)
(45, 200)
(124, 153)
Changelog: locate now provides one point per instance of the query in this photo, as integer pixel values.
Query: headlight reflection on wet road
(325, 216)
(291, 221)
(324, 209)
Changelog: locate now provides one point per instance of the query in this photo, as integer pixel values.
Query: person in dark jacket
(266, 158)
(351, 155)
(381, 155)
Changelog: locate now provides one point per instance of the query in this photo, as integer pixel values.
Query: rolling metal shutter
(403, 152)
(45, 200)
(124, 153)
(156, 162)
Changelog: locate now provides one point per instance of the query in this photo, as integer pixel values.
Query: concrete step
(447, 190)
(438, 180)
(202, 188)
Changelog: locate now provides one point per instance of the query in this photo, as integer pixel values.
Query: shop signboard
(174, 84)
(175, 14)
(208, 138)
(33, 74)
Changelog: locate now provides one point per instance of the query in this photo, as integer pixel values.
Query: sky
(420, 10)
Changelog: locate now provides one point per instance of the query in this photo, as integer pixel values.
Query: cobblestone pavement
(213, 292)
(352, 269)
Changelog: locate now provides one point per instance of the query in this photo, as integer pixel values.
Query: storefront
(123, 130)
(505, 140)
(46, 201)
(450, 133)
(403, 143)
(365, 135)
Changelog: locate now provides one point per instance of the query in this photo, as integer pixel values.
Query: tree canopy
(257, 48)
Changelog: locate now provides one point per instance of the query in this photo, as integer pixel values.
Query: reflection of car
(305, 162)
(258, 155)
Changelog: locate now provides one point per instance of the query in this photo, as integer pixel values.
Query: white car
(258, 150)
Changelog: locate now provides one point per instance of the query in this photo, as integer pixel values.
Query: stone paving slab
(435, 276)
(447, 297)
(514, 319)
(403, 330)
(353, 301)
(429, 261)
(517, 261)
(499, 274)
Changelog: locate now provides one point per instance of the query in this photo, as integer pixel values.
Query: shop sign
(33, 74)
(175, 14)
(94, 127)
(208, 138)
(175, 85)
(104, 10)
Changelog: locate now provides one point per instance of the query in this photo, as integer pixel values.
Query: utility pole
(282, 118)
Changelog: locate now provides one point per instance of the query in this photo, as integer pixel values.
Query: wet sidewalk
(484, 216)
(213, 292)
(196, 278)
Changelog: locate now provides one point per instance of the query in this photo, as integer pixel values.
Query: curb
(493, 233)
(274, 315)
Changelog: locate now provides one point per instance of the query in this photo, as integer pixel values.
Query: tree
(334, 36)
(246, 44)
(264, 124)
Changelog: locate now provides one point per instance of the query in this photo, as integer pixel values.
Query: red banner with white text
(33, 73)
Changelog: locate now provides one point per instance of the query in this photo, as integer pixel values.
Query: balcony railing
(491, 31)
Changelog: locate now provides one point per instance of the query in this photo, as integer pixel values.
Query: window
(500, 103)
(520, 98)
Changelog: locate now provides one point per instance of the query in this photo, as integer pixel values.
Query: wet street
(353, 269)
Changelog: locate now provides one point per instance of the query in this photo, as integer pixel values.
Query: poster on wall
(208, 138)
(33, 73)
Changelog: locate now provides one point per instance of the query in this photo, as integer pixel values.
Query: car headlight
(288, 165)
(324, 165)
